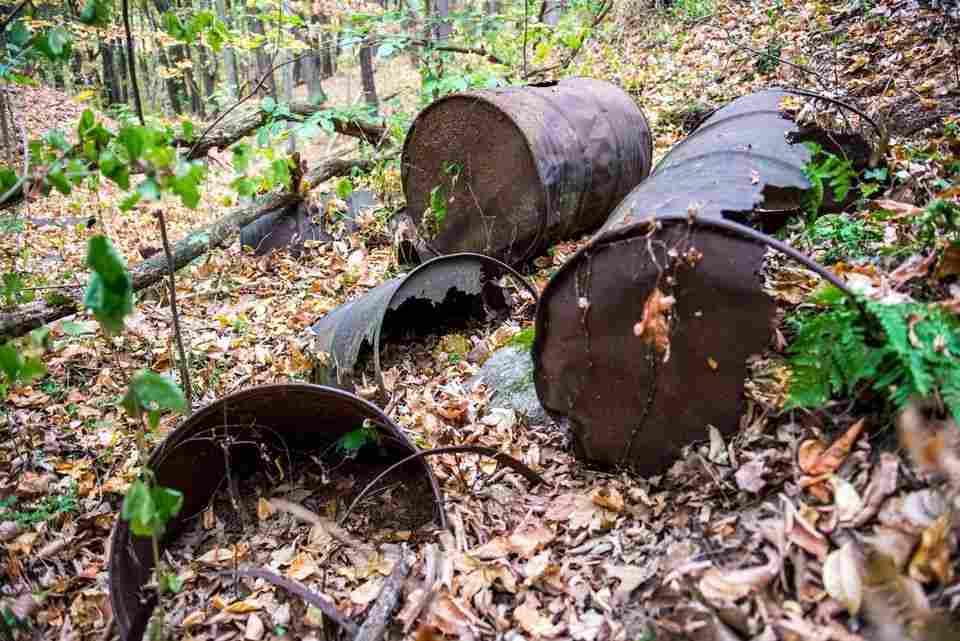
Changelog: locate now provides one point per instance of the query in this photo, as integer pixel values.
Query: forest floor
(732, 542)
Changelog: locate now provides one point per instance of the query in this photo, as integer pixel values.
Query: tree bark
(229, 55)
(550, 11)
(28, 317)
(443, 27)
(6, 137)
(366, 76)
(263, 62)
(109, 73)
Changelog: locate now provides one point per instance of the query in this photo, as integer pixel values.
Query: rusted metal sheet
(290, 417)
(523, 167)
(446, 287)
(745, 160)
(642, 337)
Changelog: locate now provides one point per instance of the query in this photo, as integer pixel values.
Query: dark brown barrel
(523, 167)
(290, 417)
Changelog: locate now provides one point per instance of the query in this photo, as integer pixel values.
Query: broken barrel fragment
(507, 172)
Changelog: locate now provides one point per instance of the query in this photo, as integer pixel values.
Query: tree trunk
(122, 75)
(197, 243)
(229, 55)
(366, 76)
(112, 93)
(6, 129)
(269, 88)
(313, 65)
(441, 14)
(550, 11)
(328, 48)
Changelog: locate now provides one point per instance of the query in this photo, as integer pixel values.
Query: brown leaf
(883, 483)
(750, 475)
(917, 266)
(949, 264)
(32, 484)
(814, 461)
(527, 541)
(842, 579)
(654, 326)
(529, 618)
(496, 548)
(903, 210)
(254, 629)
(608, 498)
(932, 559)
(721, 586)
(630, 576)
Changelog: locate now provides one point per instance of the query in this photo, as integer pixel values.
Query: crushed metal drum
(448, 287)
(643, 336)
(513, 170)
(294, 417)
(745, 160)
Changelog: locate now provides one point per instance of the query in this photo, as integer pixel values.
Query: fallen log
(28, 317)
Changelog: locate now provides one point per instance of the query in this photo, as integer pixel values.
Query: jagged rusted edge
(482, 258)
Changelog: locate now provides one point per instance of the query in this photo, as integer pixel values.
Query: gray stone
(508, 373)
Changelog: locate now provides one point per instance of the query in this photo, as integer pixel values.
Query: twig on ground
(306, 595)
(379, 615)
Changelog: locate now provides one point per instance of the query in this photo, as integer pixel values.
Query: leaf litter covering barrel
(289, 417)
(522, 167)
(643, 336)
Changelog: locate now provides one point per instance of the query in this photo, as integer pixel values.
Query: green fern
(902, 351)
(826, 169)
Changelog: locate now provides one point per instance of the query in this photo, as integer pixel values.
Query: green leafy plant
(837, 236)
(150, 393)
(109, 293)
(768, 60)
(940, 221)
(826, 169)
(352, 442)
(49, 507)
(901, 351)
(22, 365)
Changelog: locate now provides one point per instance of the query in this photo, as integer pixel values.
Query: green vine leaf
(109, 294)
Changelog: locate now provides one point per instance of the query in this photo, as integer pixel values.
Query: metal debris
(446, 287)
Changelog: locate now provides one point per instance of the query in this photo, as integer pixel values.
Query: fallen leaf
(846, 499)
(721, 586)
(221, 555)
(243, 606)
(883, 483)
(496, 548)
(842, 579)
(264, 509)
(608, 498)
(814, 461)
(302, 566)
(630, 577)
(932, 559)
(902, 210)
(254, 629)
(654, 325)
(750, 475)
(194, 618)
(529, 540)
(718, 449)
(530, 619)
(367, 592)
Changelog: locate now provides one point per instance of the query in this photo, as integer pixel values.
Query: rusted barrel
(287, 417)
(519, 168)
(643, 336)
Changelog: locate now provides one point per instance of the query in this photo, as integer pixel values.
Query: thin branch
(299, 590)
(171, 269)
(477, 51)
(597, 19)
(239, 102)
(13, 14)
(379, 614)
(526, 12)
(132, 62)
(500, 457)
